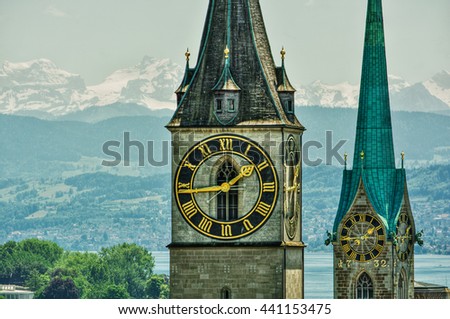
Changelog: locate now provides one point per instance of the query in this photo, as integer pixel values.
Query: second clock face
(362, 237)
(226, 187)
(404, 237)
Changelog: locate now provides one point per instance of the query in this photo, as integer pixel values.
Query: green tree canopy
(129, 265)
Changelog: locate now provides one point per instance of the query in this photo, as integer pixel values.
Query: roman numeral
(205, 150)
(263, 165)
(226, 144)
(248, 226)
(189, 209)
(353, 255)
(184, 185)
(362, 218)
(226, 231)
(263, 209)
(189, 165)
(247, 150)
(269, 187)
(346, 248)
(205, 225)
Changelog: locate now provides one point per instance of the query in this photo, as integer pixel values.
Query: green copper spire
(374, 160)
(374, 129)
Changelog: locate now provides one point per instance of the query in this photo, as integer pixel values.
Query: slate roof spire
(238, 25)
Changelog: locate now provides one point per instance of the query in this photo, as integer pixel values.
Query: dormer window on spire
(226, 94)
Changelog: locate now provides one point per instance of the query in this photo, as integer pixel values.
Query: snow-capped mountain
(42, 89)
(150, 83)
(439, 86)
(430, 96)
(39, 86)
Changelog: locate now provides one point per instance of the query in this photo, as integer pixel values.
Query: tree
(113, 292)
(157, 287)
(60, 288)
(37, 282)
(129, 265)
(85, 269)
(19, 260)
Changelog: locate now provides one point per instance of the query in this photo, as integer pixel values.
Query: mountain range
(40, 88)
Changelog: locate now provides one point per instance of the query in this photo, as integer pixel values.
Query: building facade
(374, 234)
(236, 204)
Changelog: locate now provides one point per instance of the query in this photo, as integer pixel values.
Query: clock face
(404, 237)
(291, 187)
(362, 237)
(226, 187)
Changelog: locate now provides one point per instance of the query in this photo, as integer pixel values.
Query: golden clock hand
(201, 190)
(350, 238)
(408, 230)
(246, 171)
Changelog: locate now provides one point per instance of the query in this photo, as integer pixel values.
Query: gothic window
(364, 287)
(402, 287)
(227, 202)
(225, 293)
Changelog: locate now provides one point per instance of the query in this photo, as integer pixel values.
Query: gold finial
(345, 159)
(226, 52)
(283, 53)
(403, 159)
(362, 154)
(187, 54)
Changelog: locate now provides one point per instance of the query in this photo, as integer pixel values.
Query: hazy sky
(323, 38)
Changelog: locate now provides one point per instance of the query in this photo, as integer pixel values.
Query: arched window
(364, 287)
(402, 287)
(225, 293)
(227, 202)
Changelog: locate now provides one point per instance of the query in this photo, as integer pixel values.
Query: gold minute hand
(246, 171)
(201, 190)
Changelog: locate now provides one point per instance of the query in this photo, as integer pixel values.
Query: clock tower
(236, 172)
(374, 232)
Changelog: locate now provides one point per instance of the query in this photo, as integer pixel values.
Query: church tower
(374, 232)
(236, 203)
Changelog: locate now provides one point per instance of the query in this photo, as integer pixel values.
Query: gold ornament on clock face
(291, 187)
(404, 237)
(226, 187)
(362, 237)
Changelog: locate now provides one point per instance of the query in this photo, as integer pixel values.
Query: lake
(433, 269)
